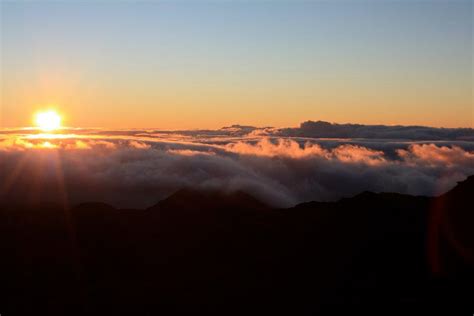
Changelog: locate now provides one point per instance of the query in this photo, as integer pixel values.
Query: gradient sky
(196, 64)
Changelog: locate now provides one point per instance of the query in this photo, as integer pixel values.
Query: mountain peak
(189, 198)
(468, 182)
(465, 187)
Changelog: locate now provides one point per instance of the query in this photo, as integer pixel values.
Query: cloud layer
(136, 168)
(325, 129)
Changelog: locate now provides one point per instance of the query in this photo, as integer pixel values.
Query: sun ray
(13, 175)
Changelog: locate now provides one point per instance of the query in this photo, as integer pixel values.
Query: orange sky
(206, 66)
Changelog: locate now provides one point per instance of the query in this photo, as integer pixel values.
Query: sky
(208, 64)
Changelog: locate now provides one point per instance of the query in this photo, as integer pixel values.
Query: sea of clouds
(317, 161)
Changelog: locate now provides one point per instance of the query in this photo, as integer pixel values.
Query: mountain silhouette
(206, 251)
(209, 199)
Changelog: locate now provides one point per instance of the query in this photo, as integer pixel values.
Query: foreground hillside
(231, 254)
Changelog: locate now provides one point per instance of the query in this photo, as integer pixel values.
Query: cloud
(433, 155)
(139, 145)
(326, 129)
(292, 149)
(281, 147)
(138, 168)
(189, 152)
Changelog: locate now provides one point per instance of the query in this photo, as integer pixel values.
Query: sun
(48, 121)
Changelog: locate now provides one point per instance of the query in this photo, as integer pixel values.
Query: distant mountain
(228, 253)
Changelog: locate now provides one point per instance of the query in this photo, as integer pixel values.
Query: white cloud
(127, 170)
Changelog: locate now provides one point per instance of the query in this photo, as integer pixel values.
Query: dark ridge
(93, 210)
(96, 206)
(210, 252)
(379, 197)
(463, 187)
(209, 199)
(310, 204)
(456, 216)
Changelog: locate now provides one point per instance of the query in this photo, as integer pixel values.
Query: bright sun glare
(48, 121)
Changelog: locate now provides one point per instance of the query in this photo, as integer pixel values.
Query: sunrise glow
(48, 121)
